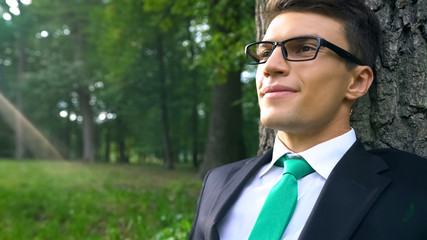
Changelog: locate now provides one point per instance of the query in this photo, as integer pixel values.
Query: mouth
(276, 91)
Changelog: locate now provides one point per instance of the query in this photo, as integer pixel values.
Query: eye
(259, 52)
(307, 48)
(265, 53)
(301, 49)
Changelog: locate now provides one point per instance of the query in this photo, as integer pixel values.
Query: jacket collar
(238, 178)
(349, 192)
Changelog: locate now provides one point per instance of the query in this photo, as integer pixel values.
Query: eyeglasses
(296, 49)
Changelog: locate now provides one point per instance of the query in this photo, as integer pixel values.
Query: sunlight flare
(34, 140)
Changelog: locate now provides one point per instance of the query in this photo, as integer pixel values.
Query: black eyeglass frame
(320, 43)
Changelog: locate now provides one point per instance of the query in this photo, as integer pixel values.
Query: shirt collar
(322, 157)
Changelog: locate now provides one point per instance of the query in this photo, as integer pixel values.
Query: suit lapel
(349, 192)
(238, 178)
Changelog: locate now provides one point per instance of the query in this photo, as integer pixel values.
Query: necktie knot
(281, 200)
(296, 166)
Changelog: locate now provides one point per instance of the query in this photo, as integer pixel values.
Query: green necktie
(281, 200)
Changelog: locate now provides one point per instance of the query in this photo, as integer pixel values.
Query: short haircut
(361, 25)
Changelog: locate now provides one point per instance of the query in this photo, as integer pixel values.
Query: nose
(276, 64)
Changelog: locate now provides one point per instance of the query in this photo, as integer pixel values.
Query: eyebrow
(305, 35)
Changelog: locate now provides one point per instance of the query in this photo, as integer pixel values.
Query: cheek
(259, 76)
(325, 78)
(326, 93)
(258, 84)
(323, 82)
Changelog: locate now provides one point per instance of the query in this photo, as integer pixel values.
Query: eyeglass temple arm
(342, 53)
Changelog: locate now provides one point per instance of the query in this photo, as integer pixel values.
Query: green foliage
(70, 200)
(112, 47)
(231, 25)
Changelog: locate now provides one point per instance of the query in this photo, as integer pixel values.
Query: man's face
(304, 97)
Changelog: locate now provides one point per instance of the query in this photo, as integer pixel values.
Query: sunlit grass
(72, 200)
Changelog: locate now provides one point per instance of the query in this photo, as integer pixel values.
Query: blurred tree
(230, 26)
(149, 61)
(15, 41)
(139, 78)
(67, 68)
(15, 36)
(7, 137)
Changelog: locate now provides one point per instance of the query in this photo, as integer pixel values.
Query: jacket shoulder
(214, 182)
(225, 170)
(398, 157)
(406, 169)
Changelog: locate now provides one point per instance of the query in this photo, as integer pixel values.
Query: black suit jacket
(379, 194)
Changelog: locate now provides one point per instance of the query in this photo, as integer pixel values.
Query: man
(316, 59)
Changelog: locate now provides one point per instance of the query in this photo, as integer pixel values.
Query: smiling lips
(276, 91)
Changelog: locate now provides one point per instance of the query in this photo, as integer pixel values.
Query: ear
(360, 83)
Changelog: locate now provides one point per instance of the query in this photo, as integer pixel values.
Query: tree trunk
(195, 125)
(169, 163)
(87, 125)
(123, 158)
(107, 145)
(19, 125)
(120, 138)
(225, 139)
(195, 101)
(266, 135)
(84, 99)
(394, 112)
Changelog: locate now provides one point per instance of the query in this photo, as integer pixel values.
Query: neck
(298, 142)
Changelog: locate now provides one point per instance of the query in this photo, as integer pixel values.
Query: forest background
(93, 83)
(126, 81)
(166, 81)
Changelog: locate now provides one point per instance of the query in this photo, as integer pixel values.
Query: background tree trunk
(194, 101)
(225, 141)
(167, 143)
(87, 125)
(266, 135)
(107, 140)
(394, 112)
(19, 125)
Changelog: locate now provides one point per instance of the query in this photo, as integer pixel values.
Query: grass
(72, 200)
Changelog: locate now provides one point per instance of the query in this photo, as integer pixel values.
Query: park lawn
(73, 200)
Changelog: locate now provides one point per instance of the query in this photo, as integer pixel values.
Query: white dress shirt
(240, 219)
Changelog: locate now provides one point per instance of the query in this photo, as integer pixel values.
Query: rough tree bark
(266, 135)
(394, 112)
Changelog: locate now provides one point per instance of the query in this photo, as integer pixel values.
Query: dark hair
(361, 25)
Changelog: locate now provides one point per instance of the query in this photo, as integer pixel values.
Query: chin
(273, 122)
(281, 122)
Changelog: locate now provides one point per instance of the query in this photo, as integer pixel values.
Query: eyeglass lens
(299, 49)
